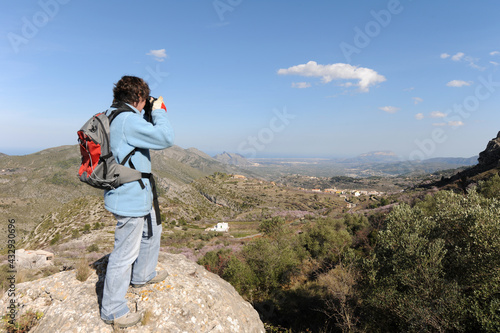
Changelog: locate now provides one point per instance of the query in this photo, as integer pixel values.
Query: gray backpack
(99, 167)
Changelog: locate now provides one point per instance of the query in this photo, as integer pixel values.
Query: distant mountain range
(375, 163)
(374, 157)
(232, 159)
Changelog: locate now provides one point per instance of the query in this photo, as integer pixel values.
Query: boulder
(191, 299)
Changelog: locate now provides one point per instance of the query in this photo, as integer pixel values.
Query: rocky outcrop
(491, 155)
(191, 299)
(489, 159)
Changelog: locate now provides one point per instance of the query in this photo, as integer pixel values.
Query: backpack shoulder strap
(120, 108)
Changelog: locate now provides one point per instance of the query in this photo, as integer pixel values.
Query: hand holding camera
(158, 103)
(153, 104)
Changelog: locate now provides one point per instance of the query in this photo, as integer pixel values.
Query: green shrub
(55, 239)
(273, 264)
(326, 240)
(75, 233)
(435, 267)
(355, 222)
(240, 275)
(83, 270)
(490, 188)
(93, 248)
(216, 261)
(24, 323)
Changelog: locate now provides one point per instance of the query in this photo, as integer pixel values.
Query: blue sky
(260, 78)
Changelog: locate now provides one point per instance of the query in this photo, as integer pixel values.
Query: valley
(304, 199)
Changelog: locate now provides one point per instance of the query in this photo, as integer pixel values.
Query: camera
(148, 108)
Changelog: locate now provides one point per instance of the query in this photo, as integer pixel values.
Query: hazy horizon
(214, 153)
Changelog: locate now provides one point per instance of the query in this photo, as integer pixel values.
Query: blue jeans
(133, 260)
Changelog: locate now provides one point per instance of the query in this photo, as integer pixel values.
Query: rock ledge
(191, 299)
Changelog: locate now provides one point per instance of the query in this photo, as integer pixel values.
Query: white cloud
(450, 123)
(389, 109)
(437, 114)
(494, 53)
(458, 56)
(472, 63)
(367, 77)
(494, 63)
(455, 123)
(301, 85)
(417, 100)
(159, 55)
(458, 83)
(409, 89)
(419, 116)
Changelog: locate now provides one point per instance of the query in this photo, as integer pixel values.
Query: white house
(220, 227)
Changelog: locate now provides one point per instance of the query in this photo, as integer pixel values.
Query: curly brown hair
(130, 89)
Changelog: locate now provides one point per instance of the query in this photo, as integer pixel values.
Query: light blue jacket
(127, 131)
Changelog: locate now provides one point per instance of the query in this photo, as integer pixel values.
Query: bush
(86, 228)
(93, 248)
(490, 188)
(355, 222)
(326, 240)
(75, 233)
(24, 323)
(216, 261)
(55, 239)
(83, 270)
(273, 263)
(437, 269)
(240, 275)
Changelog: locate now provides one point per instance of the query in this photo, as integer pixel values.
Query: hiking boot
(130, 319)
(160, 276)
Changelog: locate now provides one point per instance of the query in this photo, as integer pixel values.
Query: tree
(326, 239)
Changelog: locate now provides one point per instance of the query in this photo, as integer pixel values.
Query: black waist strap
(156, 205)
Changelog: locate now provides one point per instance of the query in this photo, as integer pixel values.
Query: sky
(282, 78)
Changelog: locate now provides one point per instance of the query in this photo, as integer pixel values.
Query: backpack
(98, 165)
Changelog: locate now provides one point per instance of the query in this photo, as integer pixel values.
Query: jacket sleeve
(142, 134)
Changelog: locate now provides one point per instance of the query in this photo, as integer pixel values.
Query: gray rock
(191, 299)
(491, 155)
